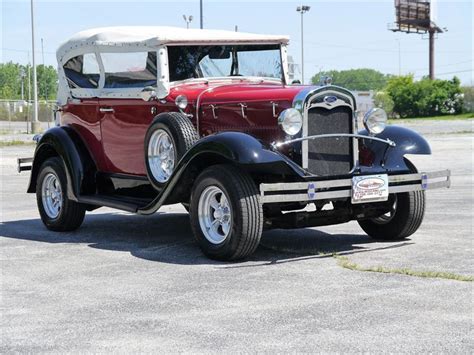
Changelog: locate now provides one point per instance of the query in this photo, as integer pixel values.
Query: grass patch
(347, 264)
(15, 143)
(463, 116)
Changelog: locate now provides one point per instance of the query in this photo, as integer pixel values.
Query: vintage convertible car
(150, 116)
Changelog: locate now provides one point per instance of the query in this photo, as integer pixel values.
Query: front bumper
(342, 188)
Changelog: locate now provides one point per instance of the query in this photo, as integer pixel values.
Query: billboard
(415, 16)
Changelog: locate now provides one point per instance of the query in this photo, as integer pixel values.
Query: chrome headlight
(181, 101)
(290, 121)
(375, 120)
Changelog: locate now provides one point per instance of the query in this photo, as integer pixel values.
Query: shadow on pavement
(167, 237)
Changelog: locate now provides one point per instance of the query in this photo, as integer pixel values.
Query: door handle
(243, 108)
(106, 110)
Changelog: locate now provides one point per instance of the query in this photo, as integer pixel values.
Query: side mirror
(296, 82)
(148, 93)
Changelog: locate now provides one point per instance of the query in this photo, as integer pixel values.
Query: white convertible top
(152, 36)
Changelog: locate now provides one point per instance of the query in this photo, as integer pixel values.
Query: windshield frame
(283, 79)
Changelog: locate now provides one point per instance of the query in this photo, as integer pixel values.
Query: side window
(82, 72)
(129, 70)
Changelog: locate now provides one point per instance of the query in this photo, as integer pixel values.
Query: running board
(116, 202)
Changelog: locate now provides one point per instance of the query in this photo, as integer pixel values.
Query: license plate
(370, 188)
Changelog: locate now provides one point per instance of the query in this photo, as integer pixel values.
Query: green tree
(468, 97)
(355, 79)
(10, 83)
(47, 82)
(11, 79)
(425, 97)
(383, 100)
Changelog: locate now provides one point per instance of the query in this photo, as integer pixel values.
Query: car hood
(234, 91)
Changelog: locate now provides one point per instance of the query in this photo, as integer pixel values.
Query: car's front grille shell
(329, 156)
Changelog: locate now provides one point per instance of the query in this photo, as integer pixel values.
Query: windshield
(188, 62)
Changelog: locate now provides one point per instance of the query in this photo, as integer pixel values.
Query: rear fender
(392, 158)
(65, 143)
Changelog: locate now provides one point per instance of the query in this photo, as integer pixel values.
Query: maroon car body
(151, 116)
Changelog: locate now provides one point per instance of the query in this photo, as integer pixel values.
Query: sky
(338, 34)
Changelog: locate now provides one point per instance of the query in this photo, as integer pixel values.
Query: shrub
(383, 100)
(468, 97)
(425, 97)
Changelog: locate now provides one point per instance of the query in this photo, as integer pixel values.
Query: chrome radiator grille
(330, 156)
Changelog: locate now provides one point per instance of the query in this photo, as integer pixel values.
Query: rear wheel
(57, 212)
(226, 215)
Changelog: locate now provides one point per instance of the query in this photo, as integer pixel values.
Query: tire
(180, 132)
(403, 220)
(70, 215)
(242, 210)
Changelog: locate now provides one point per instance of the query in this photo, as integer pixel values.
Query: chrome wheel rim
(215, 215)
(52, 195)
(161, 155)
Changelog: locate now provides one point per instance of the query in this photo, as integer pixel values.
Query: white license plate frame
(369, 188)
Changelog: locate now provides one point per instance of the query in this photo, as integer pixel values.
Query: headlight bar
(334, 135)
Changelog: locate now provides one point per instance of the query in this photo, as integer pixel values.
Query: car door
(124, 116)
(81, 111)
(124, 123)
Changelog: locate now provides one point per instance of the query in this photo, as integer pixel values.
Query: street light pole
(188, 20)
(35, 128)
(302, 9)
(201, 15)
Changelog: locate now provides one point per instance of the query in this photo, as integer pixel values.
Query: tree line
(402, 96)
(14, 76)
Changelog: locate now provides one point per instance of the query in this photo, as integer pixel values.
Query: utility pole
(302, 9)
(399, 58)
(35, 127)
(432, 34)
(22, 78)
(44, 71)
(42, 51)
(201, 15)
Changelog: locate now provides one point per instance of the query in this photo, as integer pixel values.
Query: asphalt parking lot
(125, 283)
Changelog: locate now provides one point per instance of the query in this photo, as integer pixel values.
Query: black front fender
(236, 148)
(392, 158)
(65, 143)
(245, 151)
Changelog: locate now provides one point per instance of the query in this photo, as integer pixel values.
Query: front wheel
(404, 218)
(226, 215)
(57, 212)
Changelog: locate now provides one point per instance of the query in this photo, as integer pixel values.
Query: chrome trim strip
(333, 135)
(421, 181)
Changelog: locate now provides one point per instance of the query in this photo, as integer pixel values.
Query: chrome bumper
(24, 164)
(325, 190)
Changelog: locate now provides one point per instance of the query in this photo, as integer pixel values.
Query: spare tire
(168, 138)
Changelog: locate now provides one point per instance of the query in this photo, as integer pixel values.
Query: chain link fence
(16, 115)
